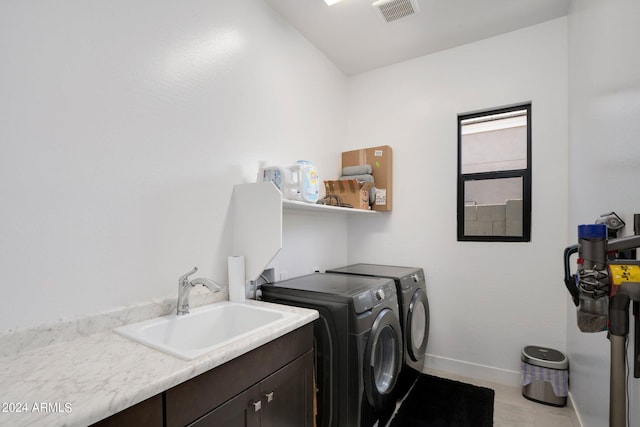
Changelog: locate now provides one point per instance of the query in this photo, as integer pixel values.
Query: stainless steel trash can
(545, 375)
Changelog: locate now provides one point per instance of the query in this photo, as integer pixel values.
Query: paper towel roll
(237, 290)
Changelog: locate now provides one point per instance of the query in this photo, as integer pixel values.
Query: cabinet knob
(269, 396)
(257, 406)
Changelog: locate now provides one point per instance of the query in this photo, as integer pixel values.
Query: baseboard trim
(575, 410)
(472, 370)
(434, 364)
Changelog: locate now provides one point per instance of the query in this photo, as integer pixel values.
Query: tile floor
(512, 410)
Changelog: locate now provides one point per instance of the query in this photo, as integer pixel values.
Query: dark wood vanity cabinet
(271, 386)
(288, 395)
(282, 399)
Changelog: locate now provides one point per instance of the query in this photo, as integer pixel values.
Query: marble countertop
(81, 380)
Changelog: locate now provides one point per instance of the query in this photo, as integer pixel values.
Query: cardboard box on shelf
(350, 192)
(381, 161)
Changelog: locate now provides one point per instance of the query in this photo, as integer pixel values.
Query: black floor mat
(440, 402)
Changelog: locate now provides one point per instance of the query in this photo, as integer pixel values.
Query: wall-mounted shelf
(290, 205)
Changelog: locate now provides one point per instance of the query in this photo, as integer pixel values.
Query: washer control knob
(415, 278)
(379, 294)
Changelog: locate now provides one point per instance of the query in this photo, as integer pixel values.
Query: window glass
(494, 170)
(493, 207)
(494, 150)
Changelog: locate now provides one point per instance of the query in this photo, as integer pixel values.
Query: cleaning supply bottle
(301, 182)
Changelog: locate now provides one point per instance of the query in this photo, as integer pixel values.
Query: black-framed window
(494, 175)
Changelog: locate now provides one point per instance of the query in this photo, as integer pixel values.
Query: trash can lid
(544, 357)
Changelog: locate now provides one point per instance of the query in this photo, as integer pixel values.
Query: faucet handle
(185, 277)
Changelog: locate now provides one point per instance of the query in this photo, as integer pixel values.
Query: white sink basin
(204, 329)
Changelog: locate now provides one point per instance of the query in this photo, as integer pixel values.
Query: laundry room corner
(488, 299)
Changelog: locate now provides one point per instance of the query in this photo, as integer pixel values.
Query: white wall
(123, 129)
(604, 165)
(488, 300)
(311, 241)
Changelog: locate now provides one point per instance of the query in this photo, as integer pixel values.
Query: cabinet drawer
(147, 413)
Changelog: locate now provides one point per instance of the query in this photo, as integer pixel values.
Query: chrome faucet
(185, 286)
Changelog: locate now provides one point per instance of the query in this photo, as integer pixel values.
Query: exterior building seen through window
(494, 175)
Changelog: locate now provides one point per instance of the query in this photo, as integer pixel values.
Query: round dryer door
(417, 331)
(382, 358)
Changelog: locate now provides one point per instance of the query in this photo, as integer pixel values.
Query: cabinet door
(241, 411)
(287, 395)
(195, 398)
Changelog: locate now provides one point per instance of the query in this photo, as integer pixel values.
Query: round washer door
(382, 358)
(417, 330)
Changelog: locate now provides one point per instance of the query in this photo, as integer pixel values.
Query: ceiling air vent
(392, 10)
